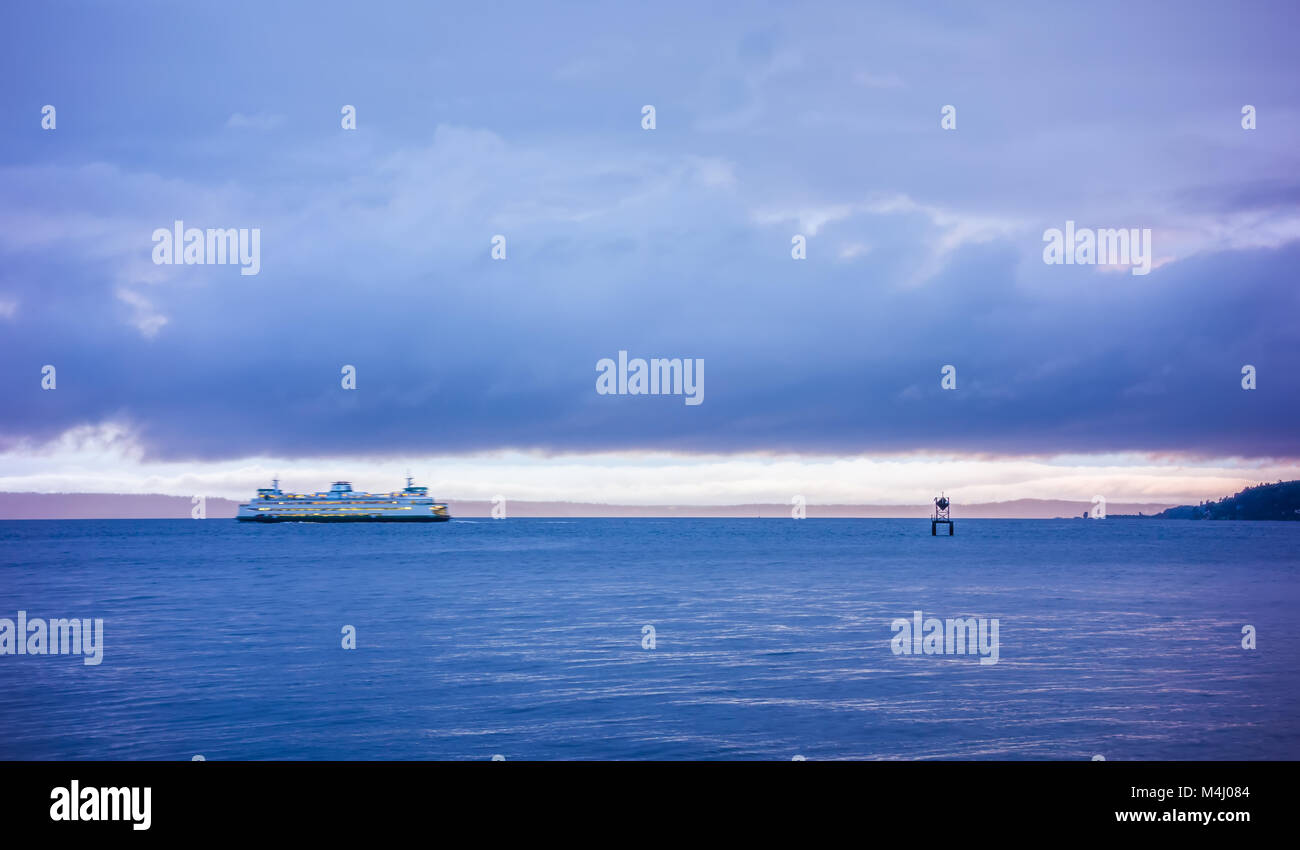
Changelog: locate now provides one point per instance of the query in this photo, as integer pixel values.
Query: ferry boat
(341, 504)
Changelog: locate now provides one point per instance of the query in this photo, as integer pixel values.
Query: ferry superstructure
(341, 504)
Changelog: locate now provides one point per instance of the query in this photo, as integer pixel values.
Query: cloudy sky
(822, 375)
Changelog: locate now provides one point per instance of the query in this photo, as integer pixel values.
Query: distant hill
(108, 506)
(124, 506)
(1280, 501)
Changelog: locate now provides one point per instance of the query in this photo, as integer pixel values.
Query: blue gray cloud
(924, 246)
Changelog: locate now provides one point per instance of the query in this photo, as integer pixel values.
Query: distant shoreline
(158, 506)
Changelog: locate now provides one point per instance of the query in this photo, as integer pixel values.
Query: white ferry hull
(341, 504)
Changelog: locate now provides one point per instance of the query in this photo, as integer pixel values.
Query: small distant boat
(340, 504)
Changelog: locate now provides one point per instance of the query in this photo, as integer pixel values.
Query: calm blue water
(523, 637)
